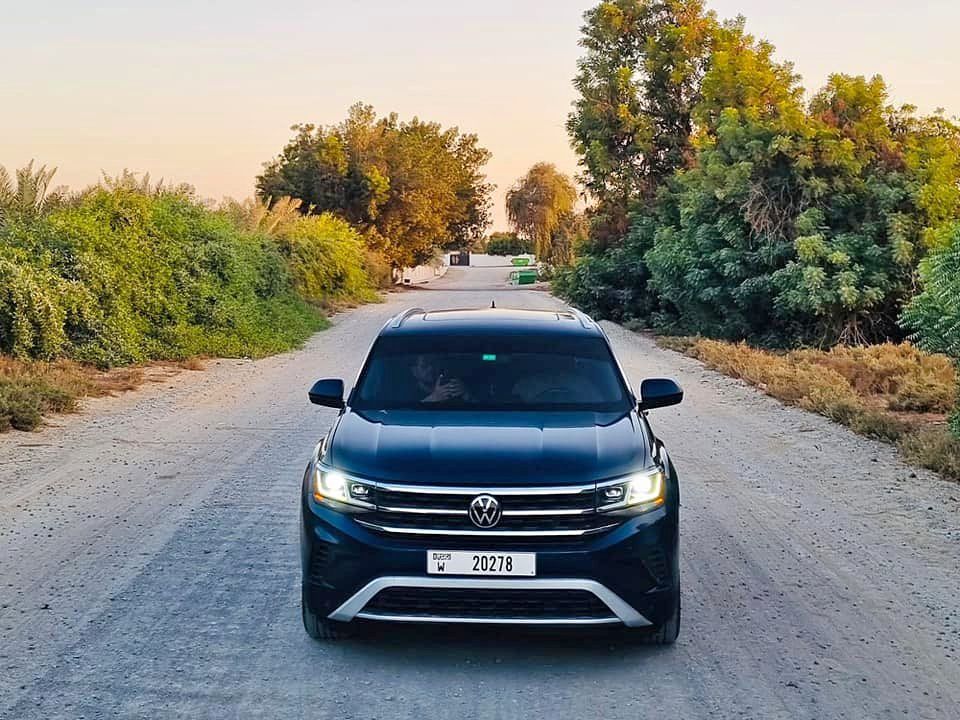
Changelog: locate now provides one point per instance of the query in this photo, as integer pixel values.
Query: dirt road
(149, 564)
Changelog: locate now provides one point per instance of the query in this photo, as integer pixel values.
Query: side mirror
(659, 392)
(328, 392)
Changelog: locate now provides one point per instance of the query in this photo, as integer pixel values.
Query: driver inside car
(434, 385)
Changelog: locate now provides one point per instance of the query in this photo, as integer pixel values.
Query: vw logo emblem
(485, 511)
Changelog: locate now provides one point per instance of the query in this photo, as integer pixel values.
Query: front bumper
(356, 605)
(631, 569)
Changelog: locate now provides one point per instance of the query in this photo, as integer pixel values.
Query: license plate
(448, 562)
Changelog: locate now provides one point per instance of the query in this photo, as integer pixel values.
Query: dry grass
(934, 448)
(30, 390)
(890, 392)
(901, 376)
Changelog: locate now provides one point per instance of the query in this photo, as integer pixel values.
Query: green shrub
(612, 284)
(23, 404)
(123, 276)
(378, 269)
(934, 314)
(326, 257)
(32, 308)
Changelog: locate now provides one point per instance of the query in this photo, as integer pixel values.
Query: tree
(637, 85)
(437, 195)
(412, 188)
(725, 225)
(787, 222)
(507, 243)
(28, 194)
(537, 207)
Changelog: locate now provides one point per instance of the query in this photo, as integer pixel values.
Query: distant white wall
(422, 273)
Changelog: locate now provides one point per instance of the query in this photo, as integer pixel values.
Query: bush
(30, 390)
(326, 258)
(934, 314)
(378, 269)
(933, 448)
(123, 276)
(613, 284)
(886, 377)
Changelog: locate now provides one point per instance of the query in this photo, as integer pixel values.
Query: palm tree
(269, 216)
(29, 193)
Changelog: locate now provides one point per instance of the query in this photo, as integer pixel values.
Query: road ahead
(149, 564)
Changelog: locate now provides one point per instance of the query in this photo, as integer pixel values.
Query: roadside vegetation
(31, 389)
(891, 392)
(128, 272)
(506, 243)
(729, 203)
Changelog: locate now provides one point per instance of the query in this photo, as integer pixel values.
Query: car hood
(490, 449)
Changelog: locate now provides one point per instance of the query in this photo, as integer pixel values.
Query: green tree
(507, 243)
(412, 188)
(726, 223)
(792, 222)
(637, 83)
(538, 206)
(934, 314)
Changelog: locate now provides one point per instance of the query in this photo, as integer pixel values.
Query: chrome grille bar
(506, 513)
(486, 533)
(497, 491)
(421, 511)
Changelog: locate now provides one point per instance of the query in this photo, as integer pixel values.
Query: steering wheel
(546, 392)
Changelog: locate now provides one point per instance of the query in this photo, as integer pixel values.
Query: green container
(520, 262)
(523, 277)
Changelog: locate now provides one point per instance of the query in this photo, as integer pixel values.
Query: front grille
(564, 511)
(581, 500)
(524, 524)
(487, 603)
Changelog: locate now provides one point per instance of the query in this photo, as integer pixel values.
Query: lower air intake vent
(485, 603)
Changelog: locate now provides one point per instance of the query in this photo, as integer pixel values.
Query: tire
(665, 634)
(320, 628)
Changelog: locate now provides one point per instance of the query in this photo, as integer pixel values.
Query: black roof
(417, 321)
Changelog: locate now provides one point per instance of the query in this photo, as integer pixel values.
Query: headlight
(641, 491)
(330, 484)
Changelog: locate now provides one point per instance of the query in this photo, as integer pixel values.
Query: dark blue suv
(492, 466)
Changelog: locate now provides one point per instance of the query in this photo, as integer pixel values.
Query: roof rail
(398, 319)
(584, 319)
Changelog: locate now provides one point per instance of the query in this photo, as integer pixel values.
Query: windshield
(491, 373)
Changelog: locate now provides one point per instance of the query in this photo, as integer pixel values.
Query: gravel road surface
(149, 564)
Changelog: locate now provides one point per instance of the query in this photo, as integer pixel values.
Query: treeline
(126, 271)
(728, 204)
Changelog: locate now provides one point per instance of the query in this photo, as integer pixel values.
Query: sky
(205, 91)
